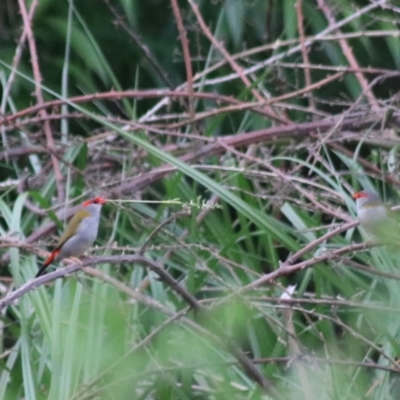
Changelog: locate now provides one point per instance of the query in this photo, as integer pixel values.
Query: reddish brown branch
(113, 95)
(186, 55)
(219, 46)
(40, 100)
(304, 50)
(348, 53)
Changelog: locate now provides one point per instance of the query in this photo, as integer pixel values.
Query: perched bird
(80, 234)
(376, 218)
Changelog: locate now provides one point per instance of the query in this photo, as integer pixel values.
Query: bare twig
(186, 55)
(40, 99)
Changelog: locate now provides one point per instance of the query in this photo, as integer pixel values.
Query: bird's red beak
(100, 200)
(96, 200)
(359, 195)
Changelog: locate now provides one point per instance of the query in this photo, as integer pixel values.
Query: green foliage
(264, 166)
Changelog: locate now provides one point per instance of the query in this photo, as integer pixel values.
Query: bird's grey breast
(370, 216)
(89, 226)
(85, 234)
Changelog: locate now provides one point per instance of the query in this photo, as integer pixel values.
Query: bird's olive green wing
(72, 226)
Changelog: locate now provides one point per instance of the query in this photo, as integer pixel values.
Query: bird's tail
(48, 261)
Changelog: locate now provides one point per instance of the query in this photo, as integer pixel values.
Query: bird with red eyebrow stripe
(378, 220)
(80, 234)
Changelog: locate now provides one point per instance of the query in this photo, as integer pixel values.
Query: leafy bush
(228, 137)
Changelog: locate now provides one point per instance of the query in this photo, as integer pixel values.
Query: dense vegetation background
(229, 136)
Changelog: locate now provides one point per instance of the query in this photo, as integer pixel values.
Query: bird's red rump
(360, 195)
(51, 257)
